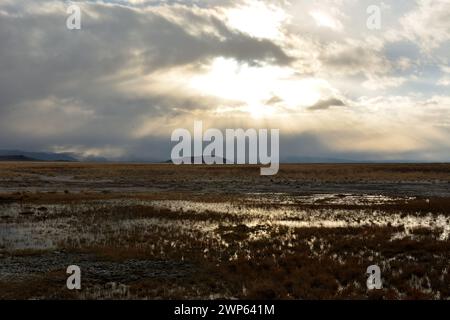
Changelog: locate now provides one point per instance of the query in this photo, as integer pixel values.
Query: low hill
(36, 156)
(16, 158)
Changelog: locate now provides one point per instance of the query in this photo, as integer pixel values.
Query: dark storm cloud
(325, 104)
(39, 56)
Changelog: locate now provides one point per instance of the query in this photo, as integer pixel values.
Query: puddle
(326, 198)
(316, 218)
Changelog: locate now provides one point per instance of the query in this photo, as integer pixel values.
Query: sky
(138, 69)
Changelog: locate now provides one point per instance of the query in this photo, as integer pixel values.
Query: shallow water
(60, 223)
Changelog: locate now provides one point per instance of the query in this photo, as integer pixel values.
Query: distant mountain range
(16, 158)
(20, 155)
(202, 159)
(313, 160)
(319, 160)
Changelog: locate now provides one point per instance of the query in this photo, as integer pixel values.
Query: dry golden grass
(168, 172)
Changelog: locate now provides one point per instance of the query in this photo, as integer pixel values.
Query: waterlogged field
(170, 232)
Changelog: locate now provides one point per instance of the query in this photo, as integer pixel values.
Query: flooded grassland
(167, 232)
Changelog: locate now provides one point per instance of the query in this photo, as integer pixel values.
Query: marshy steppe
(159, 231)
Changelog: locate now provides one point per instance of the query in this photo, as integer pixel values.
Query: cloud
(383, 82)
(138, 69)
(325, 104)
(39, 56)
(354, 56)
(69, 85)
(324, 20)
(428, 23)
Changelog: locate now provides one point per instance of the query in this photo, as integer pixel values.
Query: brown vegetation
(242, 252)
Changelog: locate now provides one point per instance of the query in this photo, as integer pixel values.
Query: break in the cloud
(138, 69)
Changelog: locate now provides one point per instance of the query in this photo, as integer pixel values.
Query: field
(142, 231)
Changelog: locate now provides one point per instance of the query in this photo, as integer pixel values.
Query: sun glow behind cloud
(262, 90)
(323, 19)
